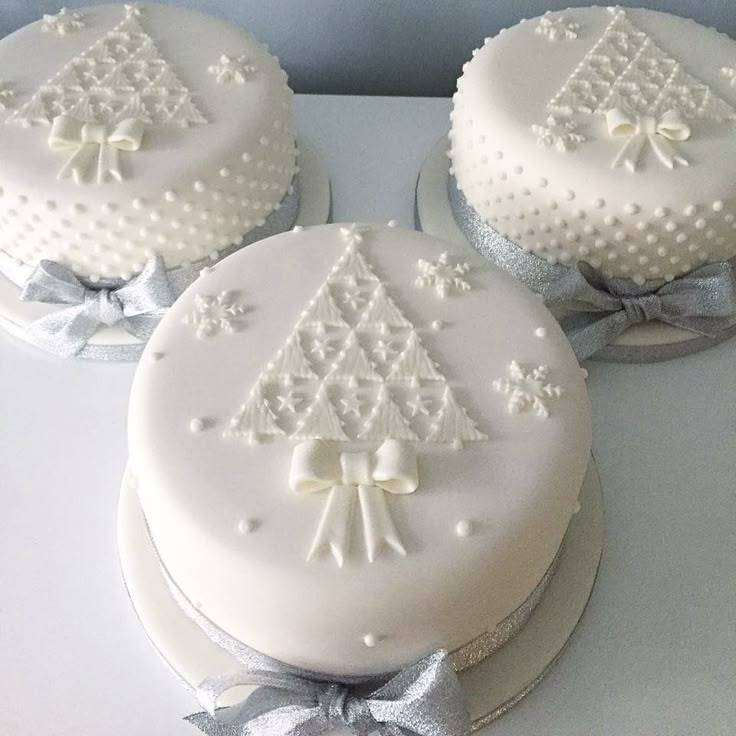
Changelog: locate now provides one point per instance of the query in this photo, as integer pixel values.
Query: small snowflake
(213, 314)
(527, 391)
(352, 234)
(558, 133)
(63, 23)
(133, 10)
(6, 96)
(442, 275)
(730, 73)
(557, 29)
(232, 69)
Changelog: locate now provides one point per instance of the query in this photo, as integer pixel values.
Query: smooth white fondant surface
(518, 487)
(559, 196)
(190, 189)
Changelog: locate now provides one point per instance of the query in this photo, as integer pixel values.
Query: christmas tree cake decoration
(381, 311)
(121, 76)
(323, 311)
(290, 361)
(319, 466)
(352, 364)
(414, 363)
(386, 420)
(645, 94)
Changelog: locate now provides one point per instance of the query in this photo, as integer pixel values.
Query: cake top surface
(282, 380)
(186, 75)
(621, 120)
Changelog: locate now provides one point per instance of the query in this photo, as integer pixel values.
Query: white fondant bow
(317, 466)
(642, 129)
(94, 142)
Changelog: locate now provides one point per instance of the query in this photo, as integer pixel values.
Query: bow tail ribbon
(424, 699)
(666, 152)
(318, 466)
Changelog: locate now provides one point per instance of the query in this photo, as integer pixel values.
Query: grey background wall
(378, 47)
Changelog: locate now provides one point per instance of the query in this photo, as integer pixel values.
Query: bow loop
(425, 699)
(703, 301)
(138, 306)
(642, 129)
(318, 466)
(88, 142)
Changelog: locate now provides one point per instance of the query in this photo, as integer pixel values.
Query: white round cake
(135, 131)
(604, 135)
(354, 445)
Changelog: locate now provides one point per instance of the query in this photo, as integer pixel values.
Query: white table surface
(655, 654)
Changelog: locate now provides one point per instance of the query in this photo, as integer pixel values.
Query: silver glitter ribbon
(702, 301)
(330, 690)
(137, 305)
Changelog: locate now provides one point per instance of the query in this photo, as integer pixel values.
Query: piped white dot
(392, 223)
(196, 425)
(297, 229)
(370, 640)
(463, 528)
(436, 325)
(540, 332)
(247, 526)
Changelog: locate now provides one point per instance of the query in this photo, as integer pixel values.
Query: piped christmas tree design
(625, 68)
(371, 352)
(123, 75)
(255, 420)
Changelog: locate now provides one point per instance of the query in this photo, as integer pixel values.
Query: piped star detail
(232, 69)
(528, 391)
(351, 405)
(383, 350)
(215, 314)
(133, 10)
(442, 276)
(63, 23)
(352, 234)
(289, 402)
(418, 405)
(321, 348)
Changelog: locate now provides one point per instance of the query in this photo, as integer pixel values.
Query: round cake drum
(491, 687)
(638, 344)
(314, 209)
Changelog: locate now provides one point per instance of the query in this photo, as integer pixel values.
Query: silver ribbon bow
(91, 143)
(138, 306)
(319, 466)
(424, 699)
(703, 301)
(642, 129)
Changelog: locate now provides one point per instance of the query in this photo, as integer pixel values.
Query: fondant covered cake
(603, 135)
(134, 131)
(354, 445)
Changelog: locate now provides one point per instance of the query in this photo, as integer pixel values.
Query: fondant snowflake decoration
(214, 314)
(232, 69)
(528, 391)
(558, 133)
(557, 29)
(730, 73)
(63, 23)
(442, 275)
(6, 96)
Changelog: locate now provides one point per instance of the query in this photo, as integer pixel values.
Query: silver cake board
(434, 215)
(315, 203)
(491, 687)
